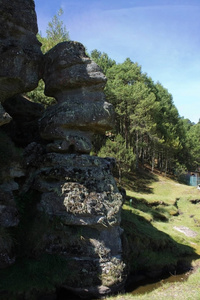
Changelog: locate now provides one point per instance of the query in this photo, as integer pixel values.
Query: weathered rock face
(79, 189)
(9, 216)
(79, 192)
(77, 84)
(76, 189)
(20, 54)
(23, 128)
(20, 60)
(4, 116)
(75, 212)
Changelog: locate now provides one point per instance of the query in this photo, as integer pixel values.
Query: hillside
(162, 224)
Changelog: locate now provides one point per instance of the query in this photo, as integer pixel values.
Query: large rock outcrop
(20, 54)
(20, 60)
(79, 193)
(62, 200)
(77, 83)
(76, 188)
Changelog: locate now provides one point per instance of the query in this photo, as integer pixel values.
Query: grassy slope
(159, 205)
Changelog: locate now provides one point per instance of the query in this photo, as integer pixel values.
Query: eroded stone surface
(79, 191)
(70, 74)
(9, 215)
(20, 60)
(77, 83)
(20, 54)
(75, 208)
(23, 128)
(4, 116)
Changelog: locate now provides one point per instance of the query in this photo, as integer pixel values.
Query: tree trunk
(153, 160)
(166, 163)
(137, 150)
(120, 175)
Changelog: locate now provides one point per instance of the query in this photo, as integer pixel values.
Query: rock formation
(76, 188)
(20, 54)
(24, 127)
(74, 211)
(77, 84)
(20, 59)
(80, 193)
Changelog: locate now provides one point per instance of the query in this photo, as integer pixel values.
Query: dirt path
(187, 231)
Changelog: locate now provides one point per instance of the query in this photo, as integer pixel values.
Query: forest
(148, 128)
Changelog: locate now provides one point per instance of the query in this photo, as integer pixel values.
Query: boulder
(82, 203)
(20, 54)
(77, 83)
(69, 203)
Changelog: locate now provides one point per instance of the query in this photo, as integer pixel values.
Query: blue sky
(163, 36)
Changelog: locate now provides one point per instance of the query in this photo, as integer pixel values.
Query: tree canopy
(147, 119)
(56, 32)
(148, 128)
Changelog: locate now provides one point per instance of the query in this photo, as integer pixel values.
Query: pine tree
(56, 33)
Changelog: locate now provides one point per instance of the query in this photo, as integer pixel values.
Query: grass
(159, 206)
(169, 202)
(185, 290)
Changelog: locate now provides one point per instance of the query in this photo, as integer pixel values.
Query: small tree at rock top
(56, 32)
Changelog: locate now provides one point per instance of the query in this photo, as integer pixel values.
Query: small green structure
(194, 178)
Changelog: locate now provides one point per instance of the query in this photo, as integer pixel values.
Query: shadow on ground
(153, 254)
(146, 178)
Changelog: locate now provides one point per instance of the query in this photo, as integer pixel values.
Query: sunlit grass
(166, 190)
(185, 290)
(173, 202)
(165, 205)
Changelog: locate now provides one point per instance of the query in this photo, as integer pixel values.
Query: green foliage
(180, 172)
(147, 118)
(102, 60)
(56, 32)
(132, 94)
(38, 95)
(117, 148)
(193, 144)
